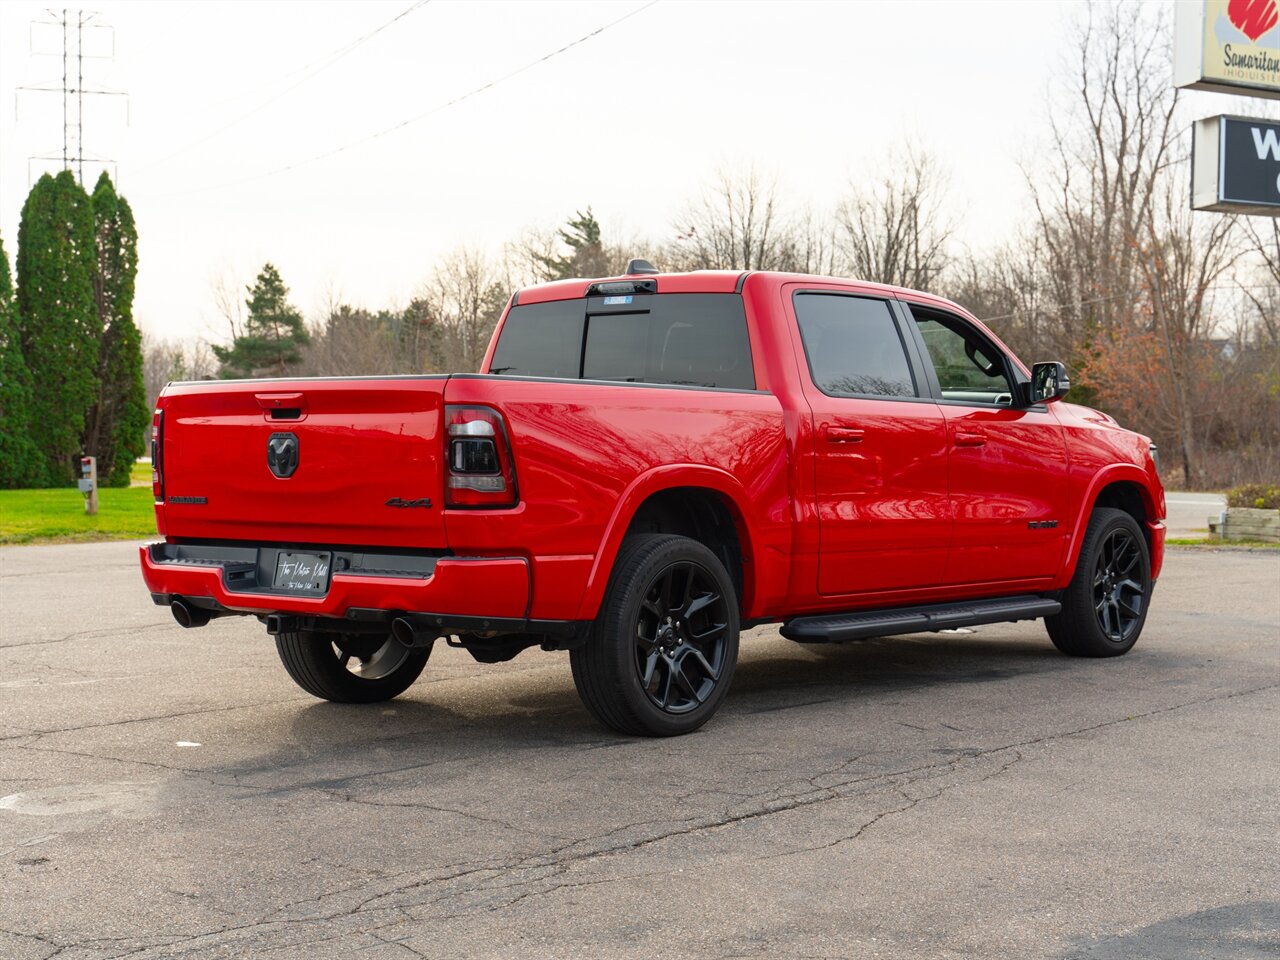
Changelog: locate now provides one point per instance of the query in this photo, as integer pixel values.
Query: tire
(350, 667)
(1105, 605)
(664, 646)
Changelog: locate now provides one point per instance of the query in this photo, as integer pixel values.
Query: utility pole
(72, 25)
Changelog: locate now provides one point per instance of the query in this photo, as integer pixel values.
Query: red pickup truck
(645, 466)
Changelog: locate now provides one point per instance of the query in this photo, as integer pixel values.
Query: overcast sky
(634, 121)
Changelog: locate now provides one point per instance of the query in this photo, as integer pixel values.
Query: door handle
(843, 434)
(969, 438)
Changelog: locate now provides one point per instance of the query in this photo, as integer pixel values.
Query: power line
(427, 113)
(309, 72)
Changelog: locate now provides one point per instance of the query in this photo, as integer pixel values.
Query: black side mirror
(1049, 381)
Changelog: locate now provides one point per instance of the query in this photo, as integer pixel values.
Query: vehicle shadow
(542, 706)
(460, 720)
(1242, 931)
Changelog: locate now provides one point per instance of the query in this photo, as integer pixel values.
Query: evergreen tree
(115, 426)
(58, 321)
(273, 334)
(19, 458)
(586, 257)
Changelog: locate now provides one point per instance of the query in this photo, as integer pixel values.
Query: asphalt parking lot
(170, 794)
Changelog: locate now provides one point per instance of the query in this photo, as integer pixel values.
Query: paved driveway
(170, 794)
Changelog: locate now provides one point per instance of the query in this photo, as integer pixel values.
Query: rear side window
(853, 346)
(540, 340)
(693, 339)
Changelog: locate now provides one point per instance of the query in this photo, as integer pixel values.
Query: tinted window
(968, 368)
(853, 346)
(689, 338)
(541, 340)
(698, 339)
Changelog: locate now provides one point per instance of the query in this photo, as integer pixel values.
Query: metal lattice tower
(73, 25)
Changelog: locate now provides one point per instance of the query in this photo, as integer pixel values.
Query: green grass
(140, 473)
(57, 516)
(1219, 542)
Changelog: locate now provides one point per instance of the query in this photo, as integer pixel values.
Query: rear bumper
(455, 588)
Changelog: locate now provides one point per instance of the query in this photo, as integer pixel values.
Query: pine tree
(273, 336)
(19, 458)
(116, 424)
(587, 256)
(57, 319)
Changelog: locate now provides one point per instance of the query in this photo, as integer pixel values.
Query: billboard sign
(1235, 166)
(1228, 46)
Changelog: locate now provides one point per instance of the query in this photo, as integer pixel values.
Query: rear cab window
(682, 339)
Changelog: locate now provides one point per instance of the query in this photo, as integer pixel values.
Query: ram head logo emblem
(282, 454)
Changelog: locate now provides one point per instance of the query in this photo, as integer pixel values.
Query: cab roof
(713, 281)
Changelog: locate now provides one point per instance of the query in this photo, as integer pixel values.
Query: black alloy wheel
(681, 637)
(664, 645)
(1119, 599)
(1105, 605)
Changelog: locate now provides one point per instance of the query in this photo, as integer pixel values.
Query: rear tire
(663, 649)
(1105, 605)
(350, 667)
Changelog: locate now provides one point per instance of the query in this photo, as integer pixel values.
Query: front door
(1007, 467)
(880, 455)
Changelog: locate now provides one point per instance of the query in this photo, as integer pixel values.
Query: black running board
(837, 628)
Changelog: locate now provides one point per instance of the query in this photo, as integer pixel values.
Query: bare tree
(1113, 144)
(467, 293)
(1264, 248)
(737, 224)
(227, 293)
(811, 246)
(894, 231)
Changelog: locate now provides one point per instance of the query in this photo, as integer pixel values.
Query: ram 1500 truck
(644, 466)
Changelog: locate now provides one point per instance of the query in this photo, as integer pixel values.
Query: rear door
(343, 461)
(880, 454)
(1007, 467)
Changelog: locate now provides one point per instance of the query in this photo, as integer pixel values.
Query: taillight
(479, 471)
(157, 456)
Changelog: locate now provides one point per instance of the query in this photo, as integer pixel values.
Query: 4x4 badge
(282, 454)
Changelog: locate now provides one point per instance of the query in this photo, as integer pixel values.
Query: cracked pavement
(170, 794)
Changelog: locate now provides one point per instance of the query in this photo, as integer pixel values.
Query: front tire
(1105, 605)
(663, 649)
(350, 667)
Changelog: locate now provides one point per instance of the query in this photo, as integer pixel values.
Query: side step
(837, 628)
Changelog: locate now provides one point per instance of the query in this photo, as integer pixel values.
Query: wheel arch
(700, 502)
(1122, 487)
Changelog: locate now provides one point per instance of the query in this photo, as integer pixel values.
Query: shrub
(1265, 496)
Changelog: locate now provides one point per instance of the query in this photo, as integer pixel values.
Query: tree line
(70, 354)
(1170, 320)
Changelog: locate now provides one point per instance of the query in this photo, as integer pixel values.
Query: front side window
(853, 346)
(969, 369)
(689, 339)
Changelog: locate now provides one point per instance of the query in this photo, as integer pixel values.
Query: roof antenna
(635, 267)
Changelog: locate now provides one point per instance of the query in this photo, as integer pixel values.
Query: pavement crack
(37, 734)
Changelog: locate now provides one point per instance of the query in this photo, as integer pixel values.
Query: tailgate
(343, 461)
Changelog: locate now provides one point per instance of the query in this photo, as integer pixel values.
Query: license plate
(302, 572)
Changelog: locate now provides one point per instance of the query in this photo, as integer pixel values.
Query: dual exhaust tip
(402, 628)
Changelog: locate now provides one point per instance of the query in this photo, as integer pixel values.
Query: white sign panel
(1229, 46)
